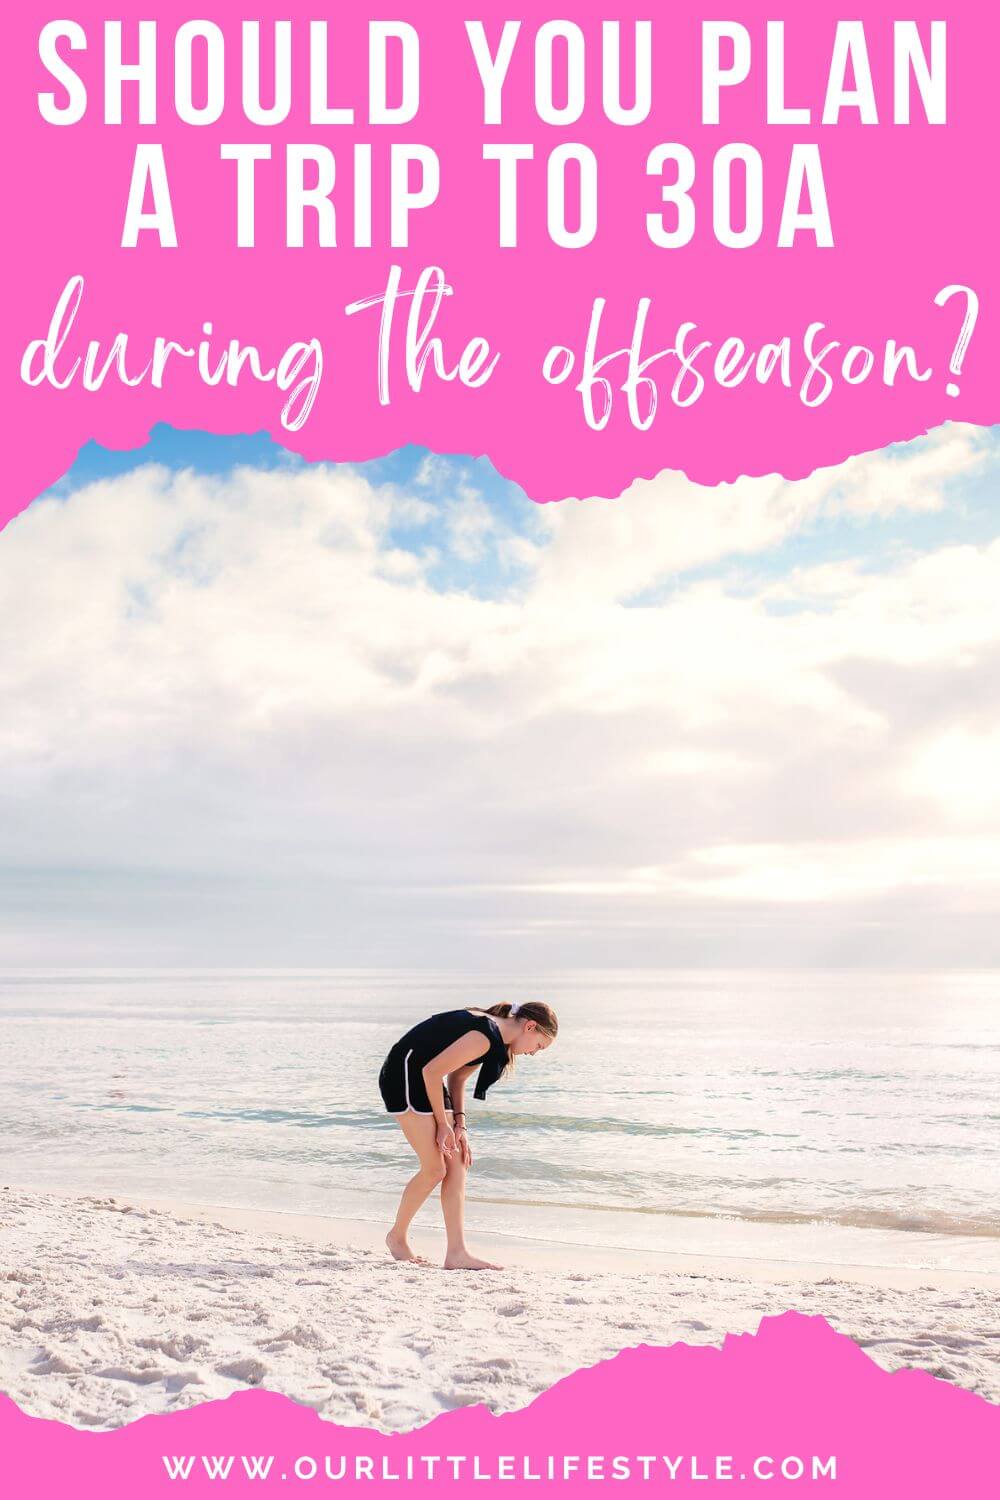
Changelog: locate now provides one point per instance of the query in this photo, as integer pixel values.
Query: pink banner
(591, 250)
(795, 1404)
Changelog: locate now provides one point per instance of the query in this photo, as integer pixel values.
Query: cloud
(664, 527)
(277, 698)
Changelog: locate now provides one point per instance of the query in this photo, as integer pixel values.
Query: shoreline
(534, 1253)
(531, 1252)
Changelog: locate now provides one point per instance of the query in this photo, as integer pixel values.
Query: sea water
(834, 1117)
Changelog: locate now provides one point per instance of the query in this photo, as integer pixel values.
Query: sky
(263, 713)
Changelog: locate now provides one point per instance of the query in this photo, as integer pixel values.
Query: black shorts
(401, 1084)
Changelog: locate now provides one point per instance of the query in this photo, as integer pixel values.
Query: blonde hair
(543, 1016)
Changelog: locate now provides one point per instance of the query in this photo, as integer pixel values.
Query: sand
(111, 1309)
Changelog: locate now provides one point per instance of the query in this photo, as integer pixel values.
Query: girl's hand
(446, 1140)
(464, 1150)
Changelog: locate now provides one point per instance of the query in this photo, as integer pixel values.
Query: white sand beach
(110, 1309)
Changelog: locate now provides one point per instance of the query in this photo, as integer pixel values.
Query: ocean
(847, 1118)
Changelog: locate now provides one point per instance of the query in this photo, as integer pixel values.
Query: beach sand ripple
(109, 1311)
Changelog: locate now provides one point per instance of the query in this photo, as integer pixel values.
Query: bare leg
(458, 1257)
(421, 1132)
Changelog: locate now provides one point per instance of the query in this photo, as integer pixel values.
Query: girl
(423, 1084)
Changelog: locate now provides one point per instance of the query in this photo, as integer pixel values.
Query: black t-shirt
(429, 1038)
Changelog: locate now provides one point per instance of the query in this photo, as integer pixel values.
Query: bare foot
(461, 1260)
(400, 1250)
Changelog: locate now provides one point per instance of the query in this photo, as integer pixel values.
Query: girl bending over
(423, 1085)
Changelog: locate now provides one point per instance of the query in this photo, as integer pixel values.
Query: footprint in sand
(247, 1371)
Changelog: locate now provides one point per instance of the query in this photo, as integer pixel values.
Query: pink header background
(913, 208)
